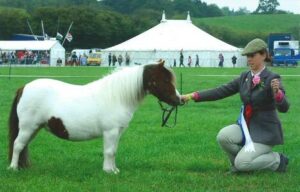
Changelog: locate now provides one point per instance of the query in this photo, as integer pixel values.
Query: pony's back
(124, 85)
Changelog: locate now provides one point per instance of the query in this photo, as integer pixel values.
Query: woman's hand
(185, 98)
(275, 84)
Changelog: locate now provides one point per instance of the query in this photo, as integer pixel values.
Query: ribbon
(249, 146)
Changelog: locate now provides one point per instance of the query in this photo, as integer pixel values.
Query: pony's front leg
(110, 139)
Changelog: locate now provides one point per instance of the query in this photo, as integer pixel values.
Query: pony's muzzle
(176, 99)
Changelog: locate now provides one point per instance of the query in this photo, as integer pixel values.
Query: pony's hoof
(116, 171)
(12, 168)
(112, 171)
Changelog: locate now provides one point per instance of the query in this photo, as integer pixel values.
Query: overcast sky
(251, 5)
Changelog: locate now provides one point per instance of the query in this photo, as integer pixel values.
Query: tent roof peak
(163, 18)
(188, 18)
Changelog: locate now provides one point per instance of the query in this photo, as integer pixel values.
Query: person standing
(12, 57)
(83, 60)
(189, 61)
(181, 60)
(221, 60)
(74, 59)
(197, 61)
(249, 142)
(233, 59)
(114, 59)
(120, 60)
(127, 59)
(109, 59)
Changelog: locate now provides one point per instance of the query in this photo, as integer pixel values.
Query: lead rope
(166, 115)
(168, 111)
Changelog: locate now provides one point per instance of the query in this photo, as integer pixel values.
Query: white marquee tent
(167, 39)
(55, 49)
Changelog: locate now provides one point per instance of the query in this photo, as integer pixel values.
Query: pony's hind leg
(111, 140)
(19, 157)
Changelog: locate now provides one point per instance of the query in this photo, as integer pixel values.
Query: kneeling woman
(249, 143)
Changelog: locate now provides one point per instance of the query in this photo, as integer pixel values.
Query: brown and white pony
(82, 112)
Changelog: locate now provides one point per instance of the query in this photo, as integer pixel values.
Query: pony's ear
(161, 62)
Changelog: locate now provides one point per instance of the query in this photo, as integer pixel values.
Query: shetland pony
(82, 112)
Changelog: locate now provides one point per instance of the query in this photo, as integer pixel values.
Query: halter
(167, 111)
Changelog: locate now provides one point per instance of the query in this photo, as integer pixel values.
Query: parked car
(94, 59)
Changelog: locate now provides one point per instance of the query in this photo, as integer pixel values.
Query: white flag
(59, 36)
(69, 37)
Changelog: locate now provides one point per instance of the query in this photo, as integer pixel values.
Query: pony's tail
(14, 131)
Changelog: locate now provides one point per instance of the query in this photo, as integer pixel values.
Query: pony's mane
(173, 75)
(123, 85)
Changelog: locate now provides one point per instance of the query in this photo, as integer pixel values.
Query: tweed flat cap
(254, 46)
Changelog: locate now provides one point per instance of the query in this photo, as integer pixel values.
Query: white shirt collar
(258, 72)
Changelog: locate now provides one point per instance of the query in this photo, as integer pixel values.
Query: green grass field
(150, 158)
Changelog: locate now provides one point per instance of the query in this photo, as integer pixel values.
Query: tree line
(100, 24)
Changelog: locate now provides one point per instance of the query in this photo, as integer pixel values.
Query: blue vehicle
(285, 56)
(278, 37)
(286, 53)
(284, 49)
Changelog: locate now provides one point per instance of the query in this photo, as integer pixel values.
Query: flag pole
(67, 33)
(57, 25)
(31, 30)
(42, 23)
